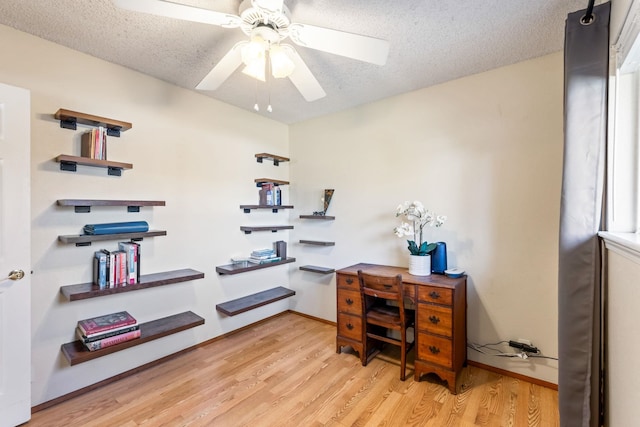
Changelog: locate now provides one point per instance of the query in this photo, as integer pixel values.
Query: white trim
(625, 244)
(628, 44)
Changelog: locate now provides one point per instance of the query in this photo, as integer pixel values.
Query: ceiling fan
(267, 24)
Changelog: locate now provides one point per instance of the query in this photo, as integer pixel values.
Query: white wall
(487, 152)
(484, 150)
(189, 150)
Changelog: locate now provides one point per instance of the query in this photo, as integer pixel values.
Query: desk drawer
(350, 326)
(346, 281)
(436, 295)
(435, 319)
(434, 349)
(349, 302)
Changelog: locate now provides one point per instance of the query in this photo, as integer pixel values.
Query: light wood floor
(285, 372)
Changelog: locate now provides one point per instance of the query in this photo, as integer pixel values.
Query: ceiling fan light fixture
(281, 65)
(254, 51)
(256, 70)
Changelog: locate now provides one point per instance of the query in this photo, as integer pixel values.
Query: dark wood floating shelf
(274, 208)
(317, 242)
(69, 119)
(247, 266)
(89, 290)
(240, 305)
(317, 269)
(76, 352)
(70, 163)
(84, 205)
(86, 239)
(325, 217)
(276, 159)
(260, 181)
(272, 228)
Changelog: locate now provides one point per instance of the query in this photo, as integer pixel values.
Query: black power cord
(524, 347)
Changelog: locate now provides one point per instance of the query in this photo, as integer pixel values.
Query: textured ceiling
(430, 42)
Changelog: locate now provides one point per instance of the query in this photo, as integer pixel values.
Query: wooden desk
(441, 318)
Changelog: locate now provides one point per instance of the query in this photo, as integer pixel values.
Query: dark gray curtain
(586, 62)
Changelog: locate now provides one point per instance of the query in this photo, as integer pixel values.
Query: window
(623, 188)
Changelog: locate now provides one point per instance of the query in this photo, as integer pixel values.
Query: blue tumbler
(439, 258)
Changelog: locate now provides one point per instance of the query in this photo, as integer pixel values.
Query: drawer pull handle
(349, 326)
(434, 319)
(349, 281)
(434, 294)
(433, 349)
(349, 301)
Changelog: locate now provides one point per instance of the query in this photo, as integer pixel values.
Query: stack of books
(117, 268)
(104, 331)
(263, 256)
(94, 144)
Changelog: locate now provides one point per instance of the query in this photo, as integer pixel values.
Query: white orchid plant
(417, 217)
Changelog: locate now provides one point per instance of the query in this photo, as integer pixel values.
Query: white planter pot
(420, 265)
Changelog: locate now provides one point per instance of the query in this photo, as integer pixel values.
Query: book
(110, 268)
(100, 269)
(107, 322)
(138, 252)
(103, 335)
(116, 339)
(121, 267)
(93, 144)
(131, 249)
(264, 261)
(263, 252)
(263, 256)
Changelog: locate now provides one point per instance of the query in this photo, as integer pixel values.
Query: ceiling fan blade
(302, 78)
(180, 11)
(223, 69)
(363, 48)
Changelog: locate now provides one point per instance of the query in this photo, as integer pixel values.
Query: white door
(15, 256)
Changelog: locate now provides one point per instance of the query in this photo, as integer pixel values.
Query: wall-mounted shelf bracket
(68, 166)
(114, 171)
(260, 181)
(276, 159)
(84, 205)
(70, 119)
(272, 228)
(274, 208)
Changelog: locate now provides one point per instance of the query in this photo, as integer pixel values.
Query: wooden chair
(378, 316)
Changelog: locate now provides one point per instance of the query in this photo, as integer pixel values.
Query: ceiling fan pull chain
(256, 106)
(269, 77)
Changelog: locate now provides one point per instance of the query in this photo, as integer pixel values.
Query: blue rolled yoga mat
(117, 227)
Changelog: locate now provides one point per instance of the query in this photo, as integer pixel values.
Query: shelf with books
(90, 290)
(321, 217)
(272, 228)
(240, 305)
(317, 243)
(276, 159)
(84, 205)
(274, 208)
(70, 163)
(76, 352)
(317, 269)
(69, 120)
(86, 239)
(242, 267)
